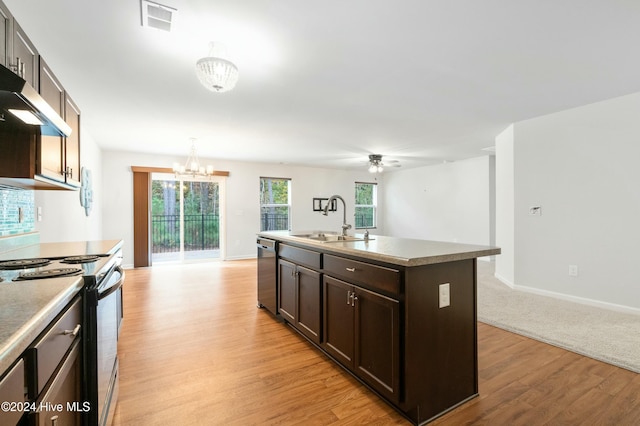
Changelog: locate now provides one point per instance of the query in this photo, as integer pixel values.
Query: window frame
(276, 205)
(373, 206)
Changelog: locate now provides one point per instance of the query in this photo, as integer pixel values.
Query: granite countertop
(395, 251)
(49, 250)
(27, 308)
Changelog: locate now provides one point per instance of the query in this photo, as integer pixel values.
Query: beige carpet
(605, 335)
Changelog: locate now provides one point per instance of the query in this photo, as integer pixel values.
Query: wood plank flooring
(195, 350)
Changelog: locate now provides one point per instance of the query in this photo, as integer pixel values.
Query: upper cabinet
(5, 31)
(24, 61)
(35, 160)
(59, 156)
(72, 142)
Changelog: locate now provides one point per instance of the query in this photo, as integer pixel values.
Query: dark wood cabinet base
(385, 325)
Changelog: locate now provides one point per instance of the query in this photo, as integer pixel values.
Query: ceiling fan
(377, 166)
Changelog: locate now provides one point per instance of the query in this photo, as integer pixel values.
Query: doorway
(186, 218)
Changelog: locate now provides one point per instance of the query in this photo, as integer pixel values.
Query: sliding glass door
(185, 219)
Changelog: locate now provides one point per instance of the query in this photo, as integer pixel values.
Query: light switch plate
(444, 298)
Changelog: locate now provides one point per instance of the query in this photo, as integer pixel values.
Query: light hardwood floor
(195, 350)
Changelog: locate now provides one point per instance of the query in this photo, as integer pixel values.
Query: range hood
(19, 99)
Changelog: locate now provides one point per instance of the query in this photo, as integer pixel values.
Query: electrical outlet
(573, 270)
(444, 298)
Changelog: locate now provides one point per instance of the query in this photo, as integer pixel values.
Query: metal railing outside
(201, 232)
(274, 222)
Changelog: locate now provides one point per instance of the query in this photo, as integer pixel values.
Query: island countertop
(392, 250)
(27, 308)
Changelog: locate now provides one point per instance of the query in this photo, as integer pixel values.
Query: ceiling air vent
(155, 15)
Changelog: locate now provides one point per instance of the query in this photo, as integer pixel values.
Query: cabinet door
(377, 342)
(72, 142)
(287, 290)
(63, 390)
(25, 55)
(5, 28)
(51, 152)
(338, 330)
(309, 303)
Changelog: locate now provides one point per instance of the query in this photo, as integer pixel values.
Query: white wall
(63, 218)
(242, 197)
(505, 206)
(581, 167)
(445, 202)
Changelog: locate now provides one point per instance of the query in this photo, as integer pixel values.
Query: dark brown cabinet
(62, 403)
(72, 142)
(24, 60)
(54, 370)
(36, 161)
(362, 332)
(300, 298)
(383, 321)
(5, 31)
(51, 164)
(59, 156)
(12, 392)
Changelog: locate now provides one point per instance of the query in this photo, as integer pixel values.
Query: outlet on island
(444, 299)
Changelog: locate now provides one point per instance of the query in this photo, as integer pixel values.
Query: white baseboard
(504, 281)
(567, 297)
(241, 257)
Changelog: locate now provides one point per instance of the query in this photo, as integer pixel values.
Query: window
(275, 204)
(366, 201)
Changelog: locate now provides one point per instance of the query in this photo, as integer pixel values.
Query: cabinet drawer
(375, 277)
(300, 256)
(12, 391)
(47, 352)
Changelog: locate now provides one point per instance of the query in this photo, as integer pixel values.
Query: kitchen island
(398, 314)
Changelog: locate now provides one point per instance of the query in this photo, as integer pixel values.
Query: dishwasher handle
(263, 244)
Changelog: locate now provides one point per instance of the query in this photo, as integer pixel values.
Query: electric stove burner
(24, 263)
(49, 273)
(80, 259)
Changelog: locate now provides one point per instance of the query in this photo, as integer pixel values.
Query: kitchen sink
(330, 238)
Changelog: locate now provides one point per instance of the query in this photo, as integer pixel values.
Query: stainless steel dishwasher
(267, 275)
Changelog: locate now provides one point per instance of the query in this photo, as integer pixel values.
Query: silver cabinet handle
(348, 297)
(54, 421)
(351, 269)
(73, 332)
(353, 299)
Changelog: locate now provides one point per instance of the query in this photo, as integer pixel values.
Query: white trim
(504, 281)
(567, 297)
(242, 257)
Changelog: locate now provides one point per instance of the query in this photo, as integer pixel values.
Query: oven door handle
(112, 289)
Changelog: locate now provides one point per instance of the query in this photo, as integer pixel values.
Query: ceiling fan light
(373, 168)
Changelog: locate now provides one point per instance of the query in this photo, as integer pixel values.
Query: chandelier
(192, 167)
(216, 72)
(375, 163)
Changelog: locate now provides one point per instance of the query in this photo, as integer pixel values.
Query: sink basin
(330, 238)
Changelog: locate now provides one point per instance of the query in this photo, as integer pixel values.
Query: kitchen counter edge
(391, 250)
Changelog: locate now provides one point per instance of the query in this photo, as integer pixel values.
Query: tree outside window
(366, 201)
(275, 204)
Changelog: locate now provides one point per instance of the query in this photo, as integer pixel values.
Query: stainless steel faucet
(345, 225)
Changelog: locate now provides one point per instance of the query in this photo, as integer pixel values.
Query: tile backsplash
(17, 211)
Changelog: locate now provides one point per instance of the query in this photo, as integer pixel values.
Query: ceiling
(327, 83)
